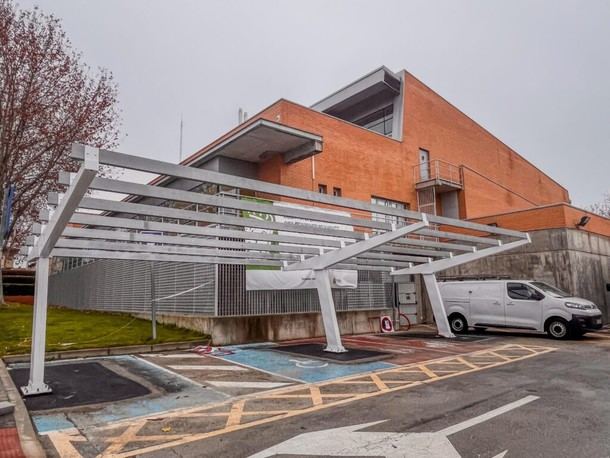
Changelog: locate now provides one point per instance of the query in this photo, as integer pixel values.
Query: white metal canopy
(262, 224)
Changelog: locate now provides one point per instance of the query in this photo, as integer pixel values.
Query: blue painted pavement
(299, 368)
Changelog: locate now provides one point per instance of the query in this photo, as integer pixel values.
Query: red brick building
(389, 138)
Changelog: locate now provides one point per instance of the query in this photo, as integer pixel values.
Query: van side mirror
(537, 296)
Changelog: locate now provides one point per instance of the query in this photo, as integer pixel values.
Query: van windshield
(550, 290)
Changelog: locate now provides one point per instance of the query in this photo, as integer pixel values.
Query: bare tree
(48, 99)
(602, 208)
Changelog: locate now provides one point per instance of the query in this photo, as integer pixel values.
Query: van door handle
(496, 302)
(510, 303)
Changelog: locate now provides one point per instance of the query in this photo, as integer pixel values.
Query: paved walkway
(10, 446)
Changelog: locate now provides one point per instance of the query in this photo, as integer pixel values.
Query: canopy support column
(36, 384)
(438, 308)
(329, 316)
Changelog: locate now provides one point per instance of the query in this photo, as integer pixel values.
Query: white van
(520, 304)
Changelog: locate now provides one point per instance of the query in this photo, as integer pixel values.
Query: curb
(108, 351)
(30, 445)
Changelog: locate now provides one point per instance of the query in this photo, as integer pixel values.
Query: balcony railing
(437, 172)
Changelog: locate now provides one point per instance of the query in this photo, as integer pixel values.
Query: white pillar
(329, 316)
(36, 384)
(440, 315)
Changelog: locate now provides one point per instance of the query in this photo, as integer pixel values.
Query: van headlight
(574, 305)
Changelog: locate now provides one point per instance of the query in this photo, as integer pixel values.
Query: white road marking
(176, 355)
(225, 384)
(351, 441)
(487, 416)
(188, 367)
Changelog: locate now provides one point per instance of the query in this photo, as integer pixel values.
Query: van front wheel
(458, 323)
(557, 328)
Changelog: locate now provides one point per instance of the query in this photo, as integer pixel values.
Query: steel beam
(329, 315)
(101, 234)
(36, 384)
(410, 241)
(178, 195)
(438, 307)
(91, 203)
(202, 231)
(436, 266)
(83, 244)
(62, 214)
(105, 254)
(457, 236)
(327, 260)
(207, 176)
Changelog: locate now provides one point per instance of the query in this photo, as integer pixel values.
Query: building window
(380, 121)
(322, 189)
(388, 203)
(337, 192)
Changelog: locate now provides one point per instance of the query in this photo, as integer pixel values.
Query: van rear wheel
(557, 328)
(458, 323)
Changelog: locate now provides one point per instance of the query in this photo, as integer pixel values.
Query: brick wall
(363, 163)
(496, 177)
(548, 217)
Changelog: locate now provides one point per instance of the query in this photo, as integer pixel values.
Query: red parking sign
(386, 324)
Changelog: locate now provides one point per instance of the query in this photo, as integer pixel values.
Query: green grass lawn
(69, 329)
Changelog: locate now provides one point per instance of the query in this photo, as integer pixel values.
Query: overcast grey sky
(534, 73)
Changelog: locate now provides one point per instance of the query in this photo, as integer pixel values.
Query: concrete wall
(272, 328)
(573, 260)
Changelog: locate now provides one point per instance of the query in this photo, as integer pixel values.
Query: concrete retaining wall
(272, 328)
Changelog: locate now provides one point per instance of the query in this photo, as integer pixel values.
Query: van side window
(523, 292)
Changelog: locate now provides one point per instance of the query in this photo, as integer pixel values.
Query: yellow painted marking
(234, 417)
(316, 396)
(380, 384)
(505, 358)
(427, 371)
(64, 442)
(463, 361)
(239, 407)
(129, 435)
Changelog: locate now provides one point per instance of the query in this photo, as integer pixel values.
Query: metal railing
(437, 169)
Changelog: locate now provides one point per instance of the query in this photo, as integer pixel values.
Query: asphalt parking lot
(493, 395)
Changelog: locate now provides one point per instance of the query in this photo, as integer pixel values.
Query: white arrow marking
(349, 441)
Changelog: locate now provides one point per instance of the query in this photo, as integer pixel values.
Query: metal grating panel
(374, 292)
(125, 286)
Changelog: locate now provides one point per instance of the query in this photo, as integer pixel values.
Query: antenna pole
(181, 129)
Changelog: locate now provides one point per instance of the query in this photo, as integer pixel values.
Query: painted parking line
(246, 384)
(227, 377)
(138, 437)
(205, 367)
(174, 355)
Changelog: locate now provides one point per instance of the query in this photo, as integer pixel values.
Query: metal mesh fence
(374, 292)
(125, 286)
